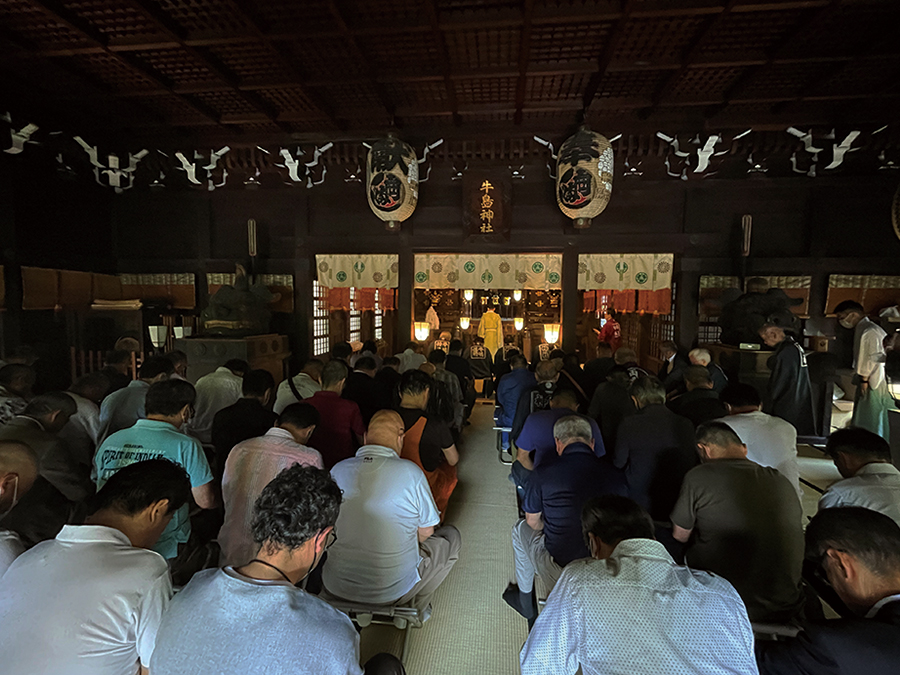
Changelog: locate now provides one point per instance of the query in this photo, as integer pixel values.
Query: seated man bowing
(858, 550)
(428, 440)
(254, 620)
(742, 521)
(388, 550)
(249, 468)
(549, 537)
(631, 609)
(90, 601)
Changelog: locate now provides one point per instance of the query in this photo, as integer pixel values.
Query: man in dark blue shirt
(550, 537)
(509, 390)
(537, 434)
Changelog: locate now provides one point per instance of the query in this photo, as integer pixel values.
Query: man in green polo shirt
(168, 406)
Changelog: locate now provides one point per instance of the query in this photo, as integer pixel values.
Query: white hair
(701, 356)
(572, 428)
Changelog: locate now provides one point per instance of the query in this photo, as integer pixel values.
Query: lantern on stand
(584, 174)
(392, 181)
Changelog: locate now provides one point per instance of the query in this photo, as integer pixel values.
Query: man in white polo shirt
(863, 458)
(387, 551)
(216, 391)
(90, 601)
(18, 471)
(770, 440)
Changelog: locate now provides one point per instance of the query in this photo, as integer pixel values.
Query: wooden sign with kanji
(487, 205)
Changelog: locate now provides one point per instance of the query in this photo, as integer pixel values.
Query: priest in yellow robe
(491, 329)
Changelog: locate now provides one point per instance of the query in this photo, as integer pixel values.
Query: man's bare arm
(535, 522)
(452, 455)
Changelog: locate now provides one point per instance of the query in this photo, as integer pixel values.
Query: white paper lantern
(584, 174)
(392, 181)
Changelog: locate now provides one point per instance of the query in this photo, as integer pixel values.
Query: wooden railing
(84, 361)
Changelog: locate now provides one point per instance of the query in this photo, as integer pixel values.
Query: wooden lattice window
(320, 319)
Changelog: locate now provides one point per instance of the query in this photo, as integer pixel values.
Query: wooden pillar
(687, 308)
(405, 295)
(570, 304)
(302, 318)
(12, 272)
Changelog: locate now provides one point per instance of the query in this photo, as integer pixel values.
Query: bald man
(18, 471)
(388, 550)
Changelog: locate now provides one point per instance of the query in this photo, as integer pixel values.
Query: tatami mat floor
(472, 631)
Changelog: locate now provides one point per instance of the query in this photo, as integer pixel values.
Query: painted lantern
(392, 181)
(584, 174)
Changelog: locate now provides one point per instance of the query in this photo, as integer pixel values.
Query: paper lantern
(468, 294)
(517, 295)
(464, 322)
(392, 181)
(519, 323)
(551, 333)
(422, 330)
(584, 174)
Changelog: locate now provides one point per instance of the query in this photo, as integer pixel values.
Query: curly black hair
(300, 502)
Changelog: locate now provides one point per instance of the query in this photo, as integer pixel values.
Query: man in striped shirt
(251, 465)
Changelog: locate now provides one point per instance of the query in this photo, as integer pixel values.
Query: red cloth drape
(365, 299)
(623, 301)
(655, 302)
(339, 298)
(386, 299)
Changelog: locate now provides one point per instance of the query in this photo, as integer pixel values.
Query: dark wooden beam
(690, 56)
(364, 61)
(443, 59)
(524, 56)
(808, 23)
(606, 56)
(75, 23)
(164, 22)
(463, 20)
(297, 79)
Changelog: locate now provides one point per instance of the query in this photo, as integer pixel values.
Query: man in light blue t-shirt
(124, 407)
(168, 405)
(254, 619)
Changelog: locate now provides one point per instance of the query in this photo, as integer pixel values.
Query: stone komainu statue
(239, 310)
(742, 318)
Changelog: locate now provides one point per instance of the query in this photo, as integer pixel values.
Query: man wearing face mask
(64, 482)
(169, 406)
(90, 601)
(873, 400)
(18, 471)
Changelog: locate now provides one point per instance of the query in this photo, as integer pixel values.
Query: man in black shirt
(362, 389)
(597, 369)
(700, 403)
(858, 550)
(789, 392)
(428, 440)
(457, 365)
(250, 417)
(656, 448)
(117, 369)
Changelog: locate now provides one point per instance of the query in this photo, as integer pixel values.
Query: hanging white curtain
(540, 271)
(360, 271)
(625, 271)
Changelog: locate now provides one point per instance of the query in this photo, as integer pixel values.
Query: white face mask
(15, 499)
(845, 323)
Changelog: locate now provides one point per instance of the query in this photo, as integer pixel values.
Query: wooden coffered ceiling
(263, 70)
